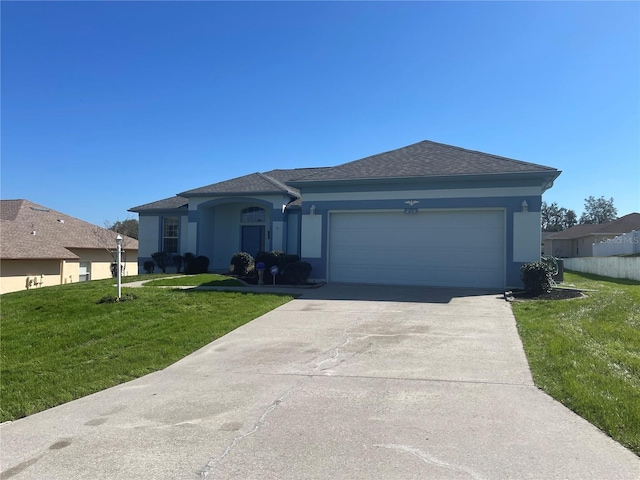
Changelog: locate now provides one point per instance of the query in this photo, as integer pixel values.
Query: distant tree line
(596, 210)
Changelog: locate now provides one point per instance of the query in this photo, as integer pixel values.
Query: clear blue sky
(109, 105)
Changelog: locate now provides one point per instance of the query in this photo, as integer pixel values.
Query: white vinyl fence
(615, 267)
(624, 244)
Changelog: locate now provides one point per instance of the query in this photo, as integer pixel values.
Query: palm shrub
(536, 277)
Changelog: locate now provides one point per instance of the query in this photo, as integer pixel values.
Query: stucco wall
(149, 233)
(615, 267)
(15, 274)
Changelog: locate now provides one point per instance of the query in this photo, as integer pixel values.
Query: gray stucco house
(425, 214)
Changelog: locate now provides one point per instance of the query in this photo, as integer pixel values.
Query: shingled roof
(421, 160)
(31, 231)
(164, 204)
(616, 227)
(254, 183)
(425, 159)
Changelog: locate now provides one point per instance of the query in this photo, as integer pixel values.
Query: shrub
(297, 273)
(536, 277)
(277, 258)
(149, 266)
(177, 260)
(162, 259)
(203, 264)
(112, 299)
(290, 258)
(241, 263)
(195, 264)
(190, 264)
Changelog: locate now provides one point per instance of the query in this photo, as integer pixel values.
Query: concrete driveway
(346, 382)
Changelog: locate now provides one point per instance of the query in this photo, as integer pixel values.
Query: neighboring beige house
(41, 247)
(578, 240)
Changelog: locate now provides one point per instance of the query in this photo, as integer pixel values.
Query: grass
(58, 344)
(200, 280)
(586, 352)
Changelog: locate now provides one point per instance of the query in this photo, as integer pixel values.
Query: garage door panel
(461, 248)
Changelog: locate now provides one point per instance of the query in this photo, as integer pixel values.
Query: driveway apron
(353, 382)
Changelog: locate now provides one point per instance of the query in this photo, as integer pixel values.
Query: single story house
(425, 214)
(42, 247)
(578, 240)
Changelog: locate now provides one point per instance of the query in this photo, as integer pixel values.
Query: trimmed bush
(194, 265)
(536, 277)
(177, 260)
(162, 259)
(149, 266)
(281, 260)
(203, 264)
(297, 273)
(241, 264)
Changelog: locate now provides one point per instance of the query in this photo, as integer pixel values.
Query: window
(170, 234)
(252, 215)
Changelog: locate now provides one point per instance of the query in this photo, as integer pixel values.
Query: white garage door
(438, 248)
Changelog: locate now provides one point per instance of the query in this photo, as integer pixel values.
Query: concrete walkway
(345, 382)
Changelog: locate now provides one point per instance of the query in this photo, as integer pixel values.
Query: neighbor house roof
(426, 159)
(616, 227)
(31, 231)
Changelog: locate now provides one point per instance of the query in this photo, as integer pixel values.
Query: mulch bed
(554, 294)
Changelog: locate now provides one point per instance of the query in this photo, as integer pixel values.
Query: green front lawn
(58, 344)
(586, 352)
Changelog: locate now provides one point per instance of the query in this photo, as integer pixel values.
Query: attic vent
(40, 209)
(61, 220)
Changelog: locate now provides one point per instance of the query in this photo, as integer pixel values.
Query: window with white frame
(170, 234)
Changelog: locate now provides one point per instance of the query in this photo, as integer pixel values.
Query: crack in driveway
(207, 468)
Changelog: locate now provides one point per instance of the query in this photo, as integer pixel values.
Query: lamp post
(119, 274)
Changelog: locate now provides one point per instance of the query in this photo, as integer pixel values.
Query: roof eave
(157, 209)
(547, 176)
(239, 194)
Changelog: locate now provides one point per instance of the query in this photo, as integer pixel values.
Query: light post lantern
(119, 271)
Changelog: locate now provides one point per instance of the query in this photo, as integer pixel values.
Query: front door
(252, 240)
